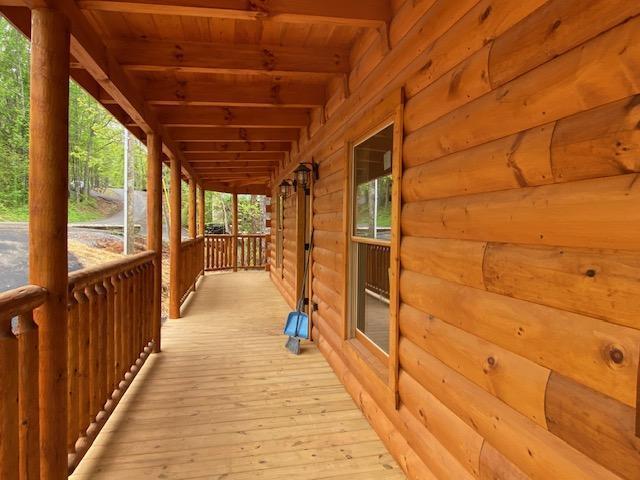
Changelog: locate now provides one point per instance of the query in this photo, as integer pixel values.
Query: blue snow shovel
(297, 325)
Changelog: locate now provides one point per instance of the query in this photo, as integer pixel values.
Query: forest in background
(96, 150)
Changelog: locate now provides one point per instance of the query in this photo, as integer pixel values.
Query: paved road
(139, 208)
(14, 256)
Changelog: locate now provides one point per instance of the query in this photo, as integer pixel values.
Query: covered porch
(225, 400)
(453, 199)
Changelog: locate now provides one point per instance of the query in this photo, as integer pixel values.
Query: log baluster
(84, 361)
(9, 432)
(73, 359)
(29, 354)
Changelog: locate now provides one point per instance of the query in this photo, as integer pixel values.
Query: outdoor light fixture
(285, 187)
(302, 175)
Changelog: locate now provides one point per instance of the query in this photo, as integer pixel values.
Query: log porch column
(48, 198)
(154, 227)
(234, 232)
(201, 211)
(175, 238)
(192, 208)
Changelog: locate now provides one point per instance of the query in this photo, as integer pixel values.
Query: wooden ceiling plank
(201, 57)
(233, 164)
(359, 13)
(178, 116)
(227, 134)
(224, 156)
(234, 147)
(258, 93)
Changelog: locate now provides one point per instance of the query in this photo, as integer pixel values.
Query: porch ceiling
(229, 84)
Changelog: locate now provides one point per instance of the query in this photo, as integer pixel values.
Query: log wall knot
(616, 355)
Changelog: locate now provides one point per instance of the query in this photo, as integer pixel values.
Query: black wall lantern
(285, 188)
(302, 175)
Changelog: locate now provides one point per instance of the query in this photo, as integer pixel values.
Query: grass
(86, 211)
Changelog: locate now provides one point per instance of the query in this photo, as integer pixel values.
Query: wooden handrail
(21, 300)
(89, 275)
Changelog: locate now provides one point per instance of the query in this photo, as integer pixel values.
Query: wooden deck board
(225, 400)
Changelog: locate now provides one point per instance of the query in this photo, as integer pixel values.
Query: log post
(201, 211)
(175, 238)
(48, 198)
(154, 228)
(192, 208)
(234, 233)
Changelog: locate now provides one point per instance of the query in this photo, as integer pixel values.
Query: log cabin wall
(285, 276)
(518, 319)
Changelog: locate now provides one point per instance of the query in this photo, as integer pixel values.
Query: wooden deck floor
(225, 401)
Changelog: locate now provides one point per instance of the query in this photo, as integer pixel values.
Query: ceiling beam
(214, 92)
(206, 134)
(359, 13)
(224, 156)
(234, 147)
(232, 116)
(200, 57)
(258, 188)
(202, 166)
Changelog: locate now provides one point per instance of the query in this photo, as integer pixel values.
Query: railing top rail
(191, 241)
(253, 234)
(21, 300)
(90, 275)
(218, 235)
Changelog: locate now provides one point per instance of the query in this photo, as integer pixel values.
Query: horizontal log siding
(519, 334)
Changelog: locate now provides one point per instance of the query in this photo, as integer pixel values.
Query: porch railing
(192, 258)
(217, 252)
(251, 251)
(378, 263)
(110, 334)
(19, 399)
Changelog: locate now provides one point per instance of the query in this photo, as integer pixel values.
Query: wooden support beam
(359, 13)
(201, 210)
(234, 169)
(198, 158)
(237, 175)
(178, 116)
(234, 232)
(213, 92)
(175, 238)
(234, 147)
(229, 187)
(154, 228)
(48, 194)
(204, 57)
(204, 134)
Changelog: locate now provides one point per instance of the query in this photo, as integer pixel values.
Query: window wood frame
(385, 367)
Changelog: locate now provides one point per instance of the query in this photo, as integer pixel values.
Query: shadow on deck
(225, 400)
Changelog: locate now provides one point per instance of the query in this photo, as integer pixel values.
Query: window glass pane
(372, 186)
(372, 292)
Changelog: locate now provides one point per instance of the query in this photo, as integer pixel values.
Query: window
(370, 244)
(279, 230)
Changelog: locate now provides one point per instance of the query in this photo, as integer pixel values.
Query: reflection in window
(370, 245)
